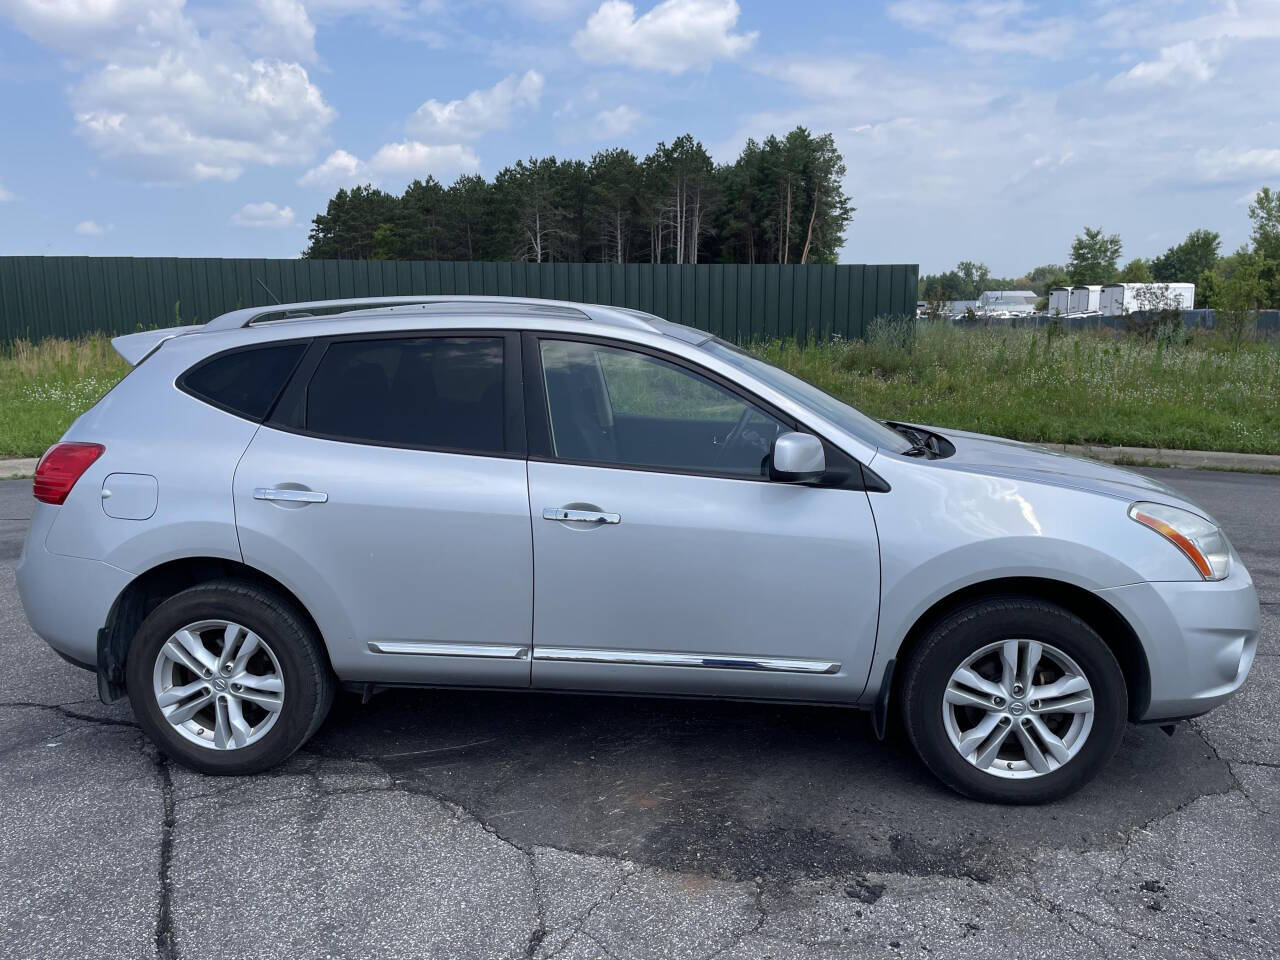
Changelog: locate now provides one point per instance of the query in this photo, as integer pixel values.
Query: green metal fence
(68, 296)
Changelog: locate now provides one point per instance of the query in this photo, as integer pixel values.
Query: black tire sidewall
(964, 632)
(290, 641)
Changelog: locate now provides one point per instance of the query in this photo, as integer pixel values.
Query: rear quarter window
(245, 382)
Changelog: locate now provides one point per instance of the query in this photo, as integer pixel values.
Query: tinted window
(608, 405)
(245, 382)
(429, 392)
(841, 414)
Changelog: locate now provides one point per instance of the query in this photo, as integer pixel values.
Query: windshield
(842, 415)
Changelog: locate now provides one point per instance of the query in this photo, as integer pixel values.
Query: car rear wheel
(228, 678)
(1014, 700)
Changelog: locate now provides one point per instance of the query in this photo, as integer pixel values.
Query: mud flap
(880, 713)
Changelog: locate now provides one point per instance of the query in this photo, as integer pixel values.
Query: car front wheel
(228, 678)
(1014, 700)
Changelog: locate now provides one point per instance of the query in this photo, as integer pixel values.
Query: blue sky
(988, 129)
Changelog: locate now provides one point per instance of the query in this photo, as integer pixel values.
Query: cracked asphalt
(482, 825)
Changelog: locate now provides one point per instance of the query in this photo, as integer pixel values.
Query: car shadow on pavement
(736, 790)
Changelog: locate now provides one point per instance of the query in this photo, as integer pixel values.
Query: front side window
(855, 422)
(432, 392)
(608, 405)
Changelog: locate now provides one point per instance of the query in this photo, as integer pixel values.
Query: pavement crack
(1226, 763)
(165, 938)
(539, 932)
(579, 928)
(61, 710)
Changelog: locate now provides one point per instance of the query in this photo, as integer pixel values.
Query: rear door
(667, 561)
(388, 491)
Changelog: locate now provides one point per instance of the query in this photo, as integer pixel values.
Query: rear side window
(426, 392)
(244, 382)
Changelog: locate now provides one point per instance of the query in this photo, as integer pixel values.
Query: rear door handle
(289, 496)
(579, 516)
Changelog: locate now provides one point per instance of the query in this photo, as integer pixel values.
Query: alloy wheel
(218, 684)
(1018, 709)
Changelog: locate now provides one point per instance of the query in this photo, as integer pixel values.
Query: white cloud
(409, 159)
(5, 195)
(675, 36)
(1232, 165)
(285, 30)
(90, 228)
(263, 215)
(339, 169)
(478, 113)
(163, 101)
(617, 122)
(92, 29)
(1185, 61)
(988, 26)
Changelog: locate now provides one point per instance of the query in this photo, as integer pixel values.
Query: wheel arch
(1100, 615)
(151, 588)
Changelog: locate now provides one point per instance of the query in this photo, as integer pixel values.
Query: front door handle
(289, 496)
(579, 516)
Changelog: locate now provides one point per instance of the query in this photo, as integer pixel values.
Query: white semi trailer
(1121, 298)
(1085, 298)
(1059, 301)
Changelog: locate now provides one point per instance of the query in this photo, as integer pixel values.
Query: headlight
(1201, 542)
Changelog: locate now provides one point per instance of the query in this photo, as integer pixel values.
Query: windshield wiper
(922, 444)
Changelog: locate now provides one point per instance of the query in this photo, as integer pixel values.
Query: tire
(935, 707)
(286, 652)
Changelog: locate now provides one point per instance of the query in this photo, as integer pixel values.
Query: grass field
(44, 386)
(1087, 387)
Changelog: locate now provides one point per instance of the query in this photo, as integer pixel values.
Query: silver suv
(551, 496)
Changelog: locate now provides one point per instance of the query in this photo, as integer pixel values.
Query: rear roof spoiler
(136, 347)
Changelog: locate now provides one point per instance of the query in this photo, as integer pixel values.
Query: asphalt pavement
(482, 825)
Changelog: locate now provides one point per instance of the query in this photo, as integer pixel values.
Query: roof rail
(315, 309)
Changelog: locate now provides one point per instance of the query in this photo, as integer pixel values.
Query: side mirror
(797, 458)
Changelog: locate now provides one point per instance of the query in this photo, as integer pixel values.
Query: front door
(667, 561)
(388, 492)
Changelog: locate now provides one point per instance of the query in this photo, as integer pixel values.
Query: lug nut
(1017, 689)
(236, 687)
(998, 701)
(1035, 704)
(208, 674)
(1004, 721)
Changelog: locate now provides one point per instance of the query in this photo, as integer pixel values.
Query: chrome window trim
(436, 648)
(651, 658)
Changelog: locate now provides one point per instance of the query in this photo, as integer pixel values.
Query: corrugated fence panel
(68, 296)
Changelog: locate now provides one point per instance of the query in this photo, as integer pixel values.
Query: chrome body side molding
(650, 658)
(434, 648)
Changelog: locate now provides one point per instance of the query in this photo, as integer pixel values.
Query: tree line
(781, 201)
(1248, 278)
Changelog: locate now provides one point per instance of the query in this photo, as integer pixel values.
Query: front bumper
(1199, 637)
(66, 599)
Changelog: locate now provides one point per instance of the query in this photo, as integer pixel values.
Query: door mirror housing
(797, 458)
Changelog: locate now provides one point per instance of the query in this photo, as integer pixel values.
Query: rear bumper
(66, 599)
(1200, 639)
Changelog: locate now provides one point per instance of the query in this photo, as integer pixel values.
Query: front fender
(942, 531)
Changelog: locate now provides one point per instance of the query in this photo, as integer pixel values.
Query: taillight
(60, 467)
